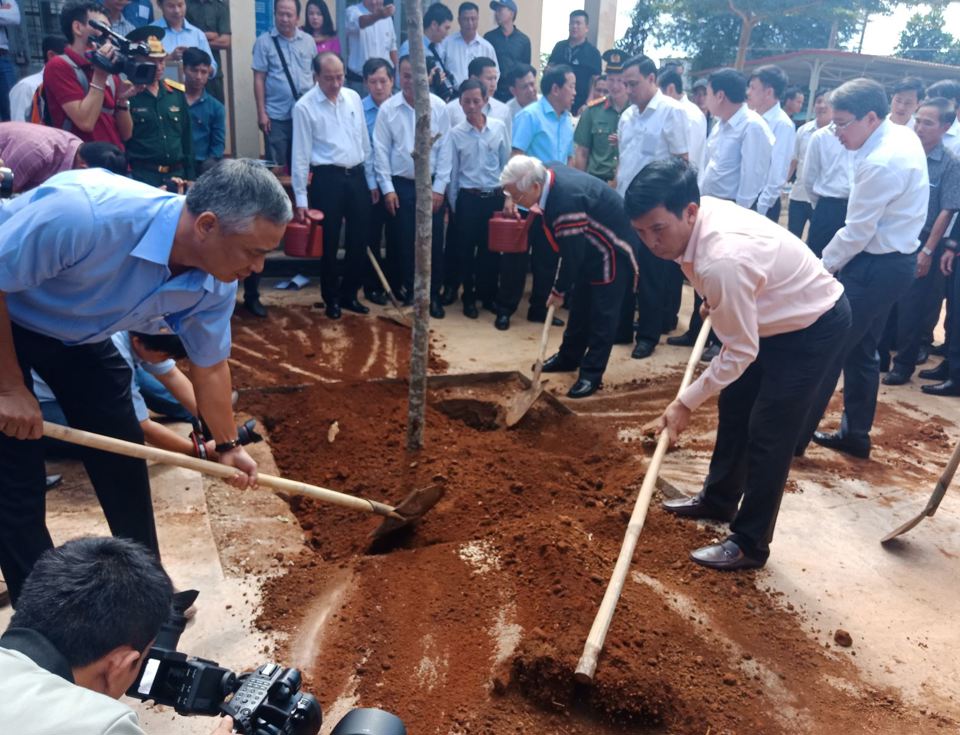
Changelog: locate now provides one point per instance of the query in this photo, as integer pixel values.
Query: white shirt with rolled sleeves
(457, 54)
(696, 133)
(477, 157)
(826, 167)
(889, 194)
(738, 158)
(328, 133)
(757, 279)
(799, 192)
(9, 16)
(393, 139)
(655, 134)
(494, 109)
(784, 143)
(376, 41)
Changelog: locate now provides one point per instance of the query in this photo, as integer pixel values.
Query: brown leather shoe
(725, 556)
(695, 508)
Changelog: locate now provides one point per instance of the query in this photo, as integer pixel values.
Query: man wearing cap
(511, 45)
(161, 146)
(596, 134)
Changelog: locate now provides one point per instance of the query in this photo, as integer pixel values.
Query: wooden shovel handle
(214, 469)
(544, 338)
(601, 624)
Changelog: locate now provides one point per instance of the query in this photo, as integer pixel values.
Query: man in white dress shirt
(671, 84)
(370, 35)
(826, 180)
(523, 87)
(393, 140)
(764, 90)
(949, 88)
(873, 254)
(484, 70)
(800, 207)
(330, 140)
(780, 316)
(907, 94)
(462, 47)
(21, 96)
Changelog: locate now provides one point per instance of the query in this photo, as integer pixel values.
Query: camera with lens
(123, 62)
(6, 182)
(440, 83)
(266, 701)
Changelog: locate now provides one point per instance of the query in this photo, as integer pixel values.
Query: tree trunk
(420, 348)
(746, 30)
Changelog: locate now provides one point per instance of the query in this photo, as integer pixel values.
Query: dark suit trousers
(918, 313)
(478, 266)
(92, 385)
(402, 231)
(761, 415)
(828, 217)
(650, 302)
(872, 283)
(798, 214)
(543, 263)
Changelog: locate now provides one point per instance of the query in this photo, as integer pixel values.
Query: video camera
(136, 72)
(266, 701)
(440, 84)
(6, 183)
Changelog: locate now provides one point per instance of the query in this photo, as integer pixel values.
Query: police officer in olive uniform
(161, 146)
(596, 134)
(213, 18)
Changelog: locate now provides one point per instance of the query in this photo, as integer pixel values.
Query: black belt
(834, 199)
(329, 168)
(483, 193)
(155, 167)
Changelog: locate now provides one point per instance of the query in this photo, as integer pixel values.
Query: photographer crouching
(86, 619)
(88, 254)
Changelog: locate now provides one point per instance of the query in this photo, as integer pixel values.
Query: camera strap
(286, 69)
(38, 649)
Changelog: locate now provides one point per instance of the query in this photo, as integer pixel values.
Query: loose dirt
(474, 621)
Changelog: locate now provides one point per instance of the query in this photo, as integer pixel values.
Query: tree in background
(924, 39)
(644, 20)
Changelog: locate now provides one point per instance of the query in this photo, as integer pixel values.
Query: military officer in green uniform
(161, 146)
(596, 134)
(213, 18)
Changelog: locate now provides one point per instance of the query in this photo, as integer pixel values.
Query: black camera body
(136, 72)
(6, 182)
(440, 85)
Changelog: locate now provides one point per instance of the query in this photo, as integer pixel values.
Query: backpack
(39, 108)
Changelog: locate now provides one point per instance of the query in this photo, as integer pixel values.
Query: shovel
(400, 317)
(413, 507)
(519, 405)
(938, 492)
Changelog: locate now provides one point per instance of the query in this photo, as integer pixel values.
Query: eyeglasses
(836, 129)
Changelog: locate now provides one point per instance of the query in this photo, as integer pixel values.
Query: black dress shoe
(843, 444)
(556, 364)
(884, 362)
(940, 372)
(470, 311)
(897, 376)
(644, 348)
(682, 340)
(355, 306)
(376, 297)
(333, 311)
(946, 388)
(583, 388)
(923, 354)
(502, 322)
(694, 508)
(448, 296)
(436, 309)
(725, 556)
(253, 305)
(711, 352)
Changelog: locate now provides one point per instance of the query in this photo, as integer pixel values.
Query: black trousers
(342, 195)
(674, 296)
(761, 416)
(773, 214)
(543, 263)
(798, 214)
(378, 218)
(479, 267)
(650, 303)
(953, 321)
(92, 385)
(592, 325)
(401, 239)
(872, 284)
(918, 312)
(828, 217)
(512, 272)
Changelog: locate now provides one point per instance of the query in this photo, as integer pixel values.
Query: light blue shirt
(84, 255)
(189, 36)
(539, 132)
(405, 48)
(477, 157)
(370, 111)
(299, 52)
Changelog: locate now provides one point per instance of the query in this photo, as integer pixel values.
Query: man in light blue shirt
(179, 36)
(87, 254)
(544, 129)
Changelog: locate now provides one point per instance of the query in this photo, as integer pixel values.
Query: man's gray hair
(523, 172)
(239, 191)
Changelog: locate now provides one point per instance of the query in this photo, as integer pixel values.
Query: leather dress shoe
(711, 352)
(694, 507)
(940, 372)
(923, 354)
(556, 364)
(355, 306)
(470, 311)
(376, 297)
(436, 309)
(502, 322)
(583, 388)
(448, 296)
(644, 348)
(946, 388)
(897, 376)
(725, 556)
(843, 444)
(333, 311)
(682, 340)
(253, 305)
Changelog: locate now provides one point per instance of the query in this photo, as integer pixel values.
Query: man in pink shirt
(781, 318)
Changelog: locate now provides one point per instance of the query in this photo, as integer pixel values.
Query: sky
(881, 38)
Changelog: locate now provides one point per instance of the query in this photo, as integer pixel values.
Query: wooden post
(420, 347)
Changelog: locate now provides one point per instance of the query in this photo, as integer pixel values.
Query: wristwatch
(227, 446)
(926, 251)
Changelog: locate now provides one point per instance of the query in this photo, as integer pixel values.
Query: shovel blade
(411, 509)
(521, 404)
